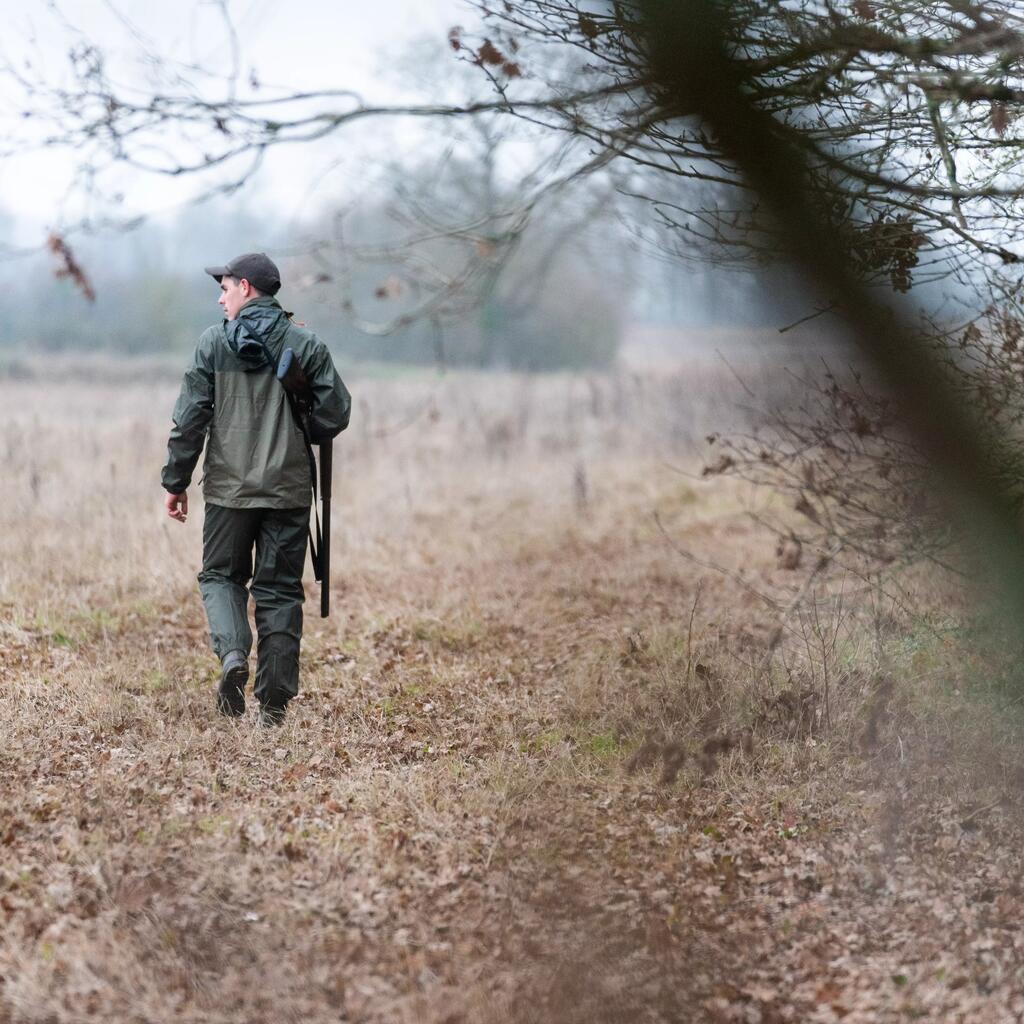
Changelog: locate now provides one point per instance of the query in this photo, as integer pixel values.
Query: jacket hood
(250, 331)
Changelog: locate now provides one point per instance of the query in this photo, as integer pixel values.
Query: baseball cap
(256, 267)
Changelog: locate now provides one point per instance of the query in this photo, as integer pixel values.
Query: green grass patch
(605, 744)
(541, 742)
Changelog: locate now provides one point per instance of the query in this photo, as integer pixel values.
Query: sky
(308, 44)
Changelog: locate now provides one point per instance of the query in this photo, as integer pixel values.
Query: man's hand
(177, 506)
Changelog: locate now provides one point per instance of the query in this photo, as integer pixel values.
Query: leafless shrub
(858, 480)
(846, 467)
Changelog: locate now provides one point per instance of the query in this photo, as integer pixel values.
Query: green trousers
(278, 537)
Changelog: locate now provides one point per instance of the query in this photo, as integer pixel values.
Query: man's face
(234, 294)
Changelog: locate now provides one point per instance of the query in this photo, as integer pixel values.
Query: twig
(820, 311)
(742, 383)
(728, 573)
(689, 629)
(981, 810)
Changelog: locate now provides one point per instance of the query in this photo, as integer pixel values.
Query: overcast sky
(307, 44)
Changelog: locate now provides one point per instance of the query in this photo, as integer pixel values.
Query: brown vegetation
(545, 767)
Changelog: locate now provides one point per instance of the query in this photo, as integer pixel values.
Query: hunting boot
(277, 675)
(273, 712)
(234, 674)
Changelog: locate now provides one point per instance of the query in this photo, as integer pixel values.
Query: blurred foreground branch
(695, 77)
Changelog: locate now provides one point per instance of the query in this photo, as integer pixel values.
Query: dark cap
(256, 267)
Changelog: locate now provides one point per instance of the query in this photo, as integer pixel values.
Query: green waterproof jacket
(255, 454)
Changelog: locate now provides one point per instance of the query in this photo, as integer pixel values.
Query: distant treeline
(154, 312)
(152, 297)
(552, 306)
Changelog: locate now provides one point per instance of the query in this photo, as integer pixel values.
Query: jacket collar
(260, 302)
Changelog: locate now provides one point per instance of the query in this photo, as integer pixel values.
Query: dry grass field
(537, 773)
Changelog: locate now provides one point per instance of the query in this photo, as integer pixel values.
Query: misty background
(596, 292)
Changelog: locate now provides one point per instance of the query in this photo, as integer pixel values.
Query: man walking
(257, 483)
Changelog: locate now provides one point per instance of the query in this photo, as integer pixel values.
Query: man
(257, 481)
